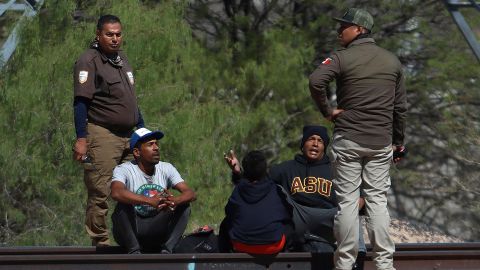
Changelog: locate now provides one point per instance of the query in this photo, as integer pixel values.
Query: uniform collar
(361, 41)
(118, 62)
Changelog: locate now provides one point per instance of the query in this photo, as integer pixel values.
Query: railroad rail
(425, 256)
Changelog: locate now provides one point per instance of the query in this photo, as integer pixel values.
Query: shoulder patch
(82, 76)
(327, 61)
(130, 77)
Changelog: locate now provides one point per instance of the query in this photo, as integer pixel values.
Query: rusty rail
(441, 256)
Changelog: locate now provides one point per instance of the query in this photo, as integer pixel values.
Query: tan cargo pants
(367, 167)
(106, 150)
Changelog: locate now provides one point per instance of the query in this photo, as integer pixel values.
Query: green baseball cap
(358, 17)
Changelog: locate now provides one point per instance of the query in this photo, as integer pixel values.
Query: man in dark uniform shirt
(105, 112)
(369, 124)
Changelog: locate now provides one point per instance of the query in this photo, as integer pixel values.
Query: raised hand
(232, 162)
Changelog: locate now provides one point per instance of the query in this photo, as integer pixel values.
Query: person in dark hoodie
(256, 215)
(306, 181)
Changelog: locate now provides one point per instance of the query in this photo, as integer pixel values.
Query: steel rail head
(475, 4)
(453, 7)
(30, 9)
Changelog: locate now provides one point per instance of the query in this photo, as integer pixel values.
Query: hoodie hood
(253, 192)
(256, 213)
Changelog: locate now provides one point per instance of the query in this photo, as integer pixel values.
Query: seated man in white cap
(147, 216)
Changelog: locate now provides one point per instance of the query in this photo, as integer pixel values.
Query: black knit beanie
(315, 130)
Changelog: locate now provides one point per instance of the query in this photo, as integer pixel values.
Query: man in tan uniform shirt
(105, 111)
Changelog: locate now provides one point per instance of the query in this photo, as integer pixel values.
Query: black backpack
(202, 240)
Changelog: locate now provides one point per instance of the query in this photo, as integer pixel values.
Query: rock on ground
(403, 231)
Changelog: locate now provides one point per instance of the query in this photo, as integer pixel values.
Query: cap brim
(154, 134)
(342, 20)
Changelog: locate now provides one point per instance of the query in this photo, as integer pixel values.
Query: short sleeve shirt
(134, 178)
(164, 177)
(110, 89)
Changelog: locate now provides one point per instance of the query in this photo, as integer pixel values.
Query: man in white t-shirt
(148, 217)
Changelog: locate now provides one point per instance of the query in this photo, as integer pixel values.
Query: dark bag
(316, 244)
(202, 240)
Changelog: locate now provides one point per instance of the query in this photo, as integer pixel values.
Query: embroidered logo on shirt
(327, 61)
(82, 76)
(130, 77)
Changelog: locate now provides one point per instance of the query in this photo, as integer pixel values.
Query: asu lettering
(312, 185)
(325, 188)
(297, 185)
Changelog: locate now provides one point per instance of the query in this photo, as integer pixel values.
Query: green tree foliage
(203, 102)
(436, 184)
(216, 77)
